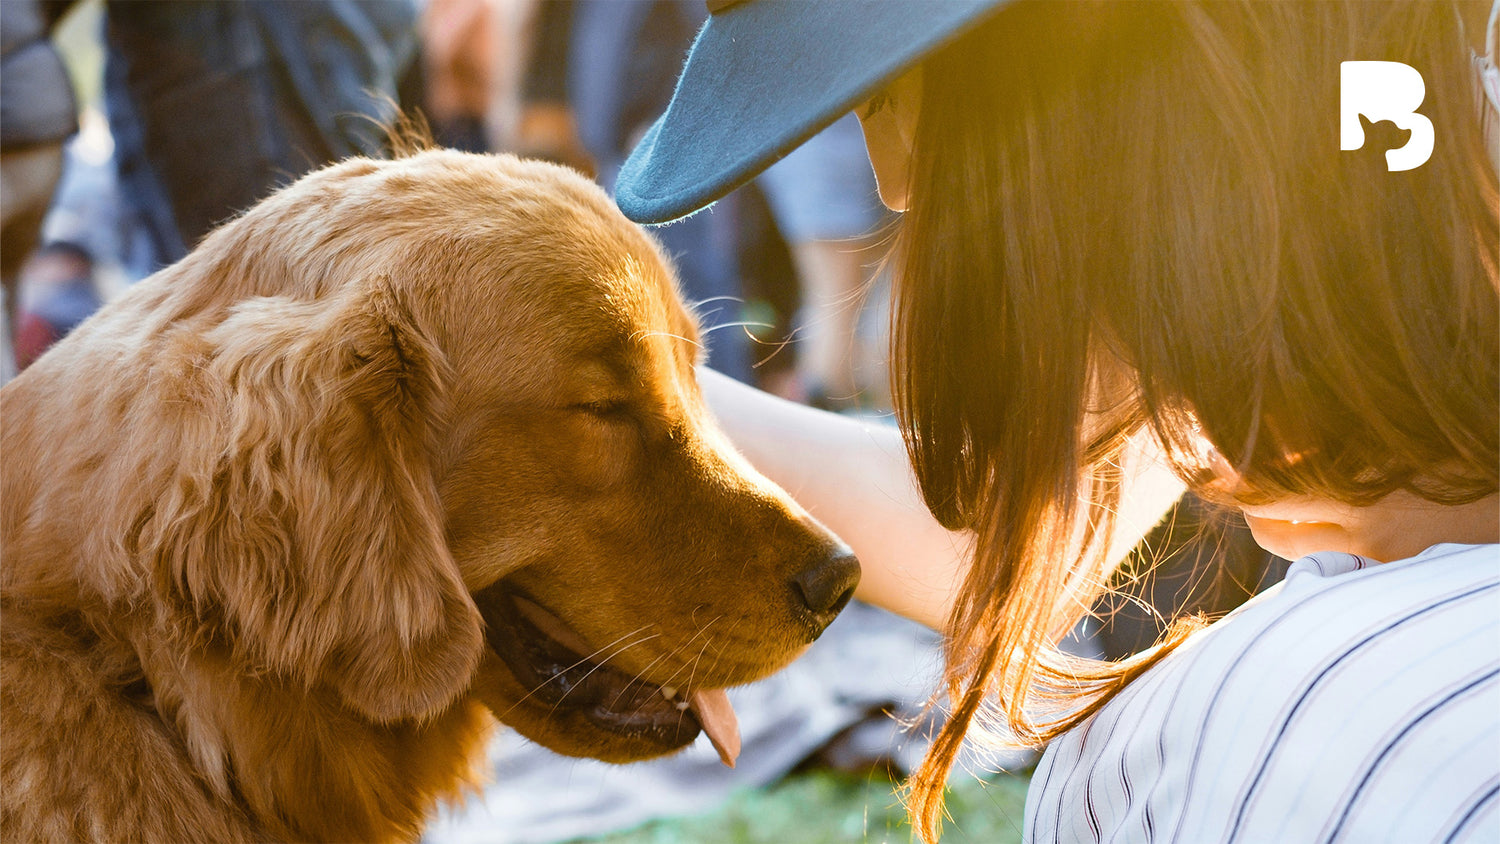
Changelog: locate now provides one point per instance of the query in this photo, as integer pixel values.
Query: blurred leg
(28, 177)
(824, 200)
(833, 276)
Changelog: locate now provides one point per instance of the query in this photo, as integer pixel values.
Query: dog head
(437, 431)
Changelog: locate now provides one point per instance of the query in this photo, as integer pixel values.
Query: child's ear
(318, 542)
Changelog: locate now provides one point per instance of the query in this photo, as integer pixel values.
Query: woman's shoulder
(1438, 568)
(1333, 608)
(1335, 616)
(1349, 690)
(1333, 603)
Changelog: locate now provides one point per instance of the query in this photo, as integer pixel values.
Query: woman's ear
(315, 537)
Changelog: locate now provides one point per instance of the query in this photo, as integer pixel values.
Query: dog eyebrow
(604, 370)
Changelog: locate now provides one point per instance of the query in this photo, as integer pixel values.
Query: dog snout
(822, 590)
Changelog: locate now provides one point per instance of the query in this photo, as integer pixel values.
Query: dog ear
(309, 534)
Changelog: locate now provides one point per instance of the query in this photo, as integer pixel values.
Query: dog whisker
(617, 640)
(642, 335)
(697, 660)
(585, 659)
(780, 346)
(738, 300)
(596, 667)
(637, 679)
(739, 324)
(684, 645)
(601, 663)
(676, 649)
(691, 666)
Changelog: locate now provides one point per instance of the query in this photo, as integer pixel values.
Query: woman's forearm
(854, 477)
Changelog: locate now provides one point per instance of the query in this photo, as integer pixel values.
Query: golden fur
(260, 515)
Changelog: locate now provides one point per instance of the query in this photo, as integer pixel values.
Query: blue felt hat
(763, 76)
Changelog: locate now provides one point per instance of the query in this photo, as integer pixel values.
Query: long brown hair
(1135, 219)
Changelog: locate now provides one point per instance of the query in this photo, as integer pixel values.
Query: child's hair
(1136, 219)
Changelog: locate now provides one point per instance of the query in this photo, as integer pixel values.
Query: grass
(823, 807)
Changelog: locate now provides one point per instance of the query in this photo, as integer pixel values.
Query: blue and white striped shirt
(1353, 702)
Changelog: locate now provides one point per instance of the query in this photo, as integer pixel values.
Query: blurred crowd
(131, 128)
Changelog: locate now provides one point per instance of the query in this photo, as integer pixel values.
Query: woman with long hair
(1132, 240)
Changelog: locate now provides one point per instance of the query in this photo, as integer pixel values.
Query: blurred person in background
(37, 113)
(600, 71)
(462, 46)
(58, 291)
(474, 59)
(823, 198)
(213, 105)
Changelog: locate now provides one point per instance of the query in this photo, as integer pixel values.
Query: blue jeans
(215, 104)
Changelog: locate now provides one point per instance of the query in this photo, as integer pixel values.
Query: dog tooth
(682, 706)
(668, 692)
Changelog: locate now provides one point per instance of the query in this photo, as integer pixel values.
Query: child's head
(1162, 189)
(1139, 214)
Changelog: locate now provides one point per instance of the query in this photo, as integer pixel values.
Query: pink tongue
(717, 717)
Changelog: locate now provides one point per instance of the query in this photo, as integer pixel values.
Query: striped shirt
(1353, 702)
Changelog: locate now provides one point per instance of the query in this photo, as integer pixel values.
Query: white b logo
(1384, 91)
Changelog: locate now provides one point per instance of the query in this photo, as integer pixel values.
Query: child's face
(1398, 526)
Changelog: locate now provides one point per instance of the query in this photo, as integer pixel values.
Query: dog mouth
(561, 670)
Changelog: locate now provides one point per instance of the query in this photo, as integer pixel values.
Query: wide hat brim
(762, 77)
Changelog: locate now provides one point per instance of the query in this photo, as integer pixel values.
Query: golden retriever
(407, 444)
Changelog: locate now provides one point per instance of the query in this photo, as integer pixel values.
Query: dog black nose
(825, 588)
